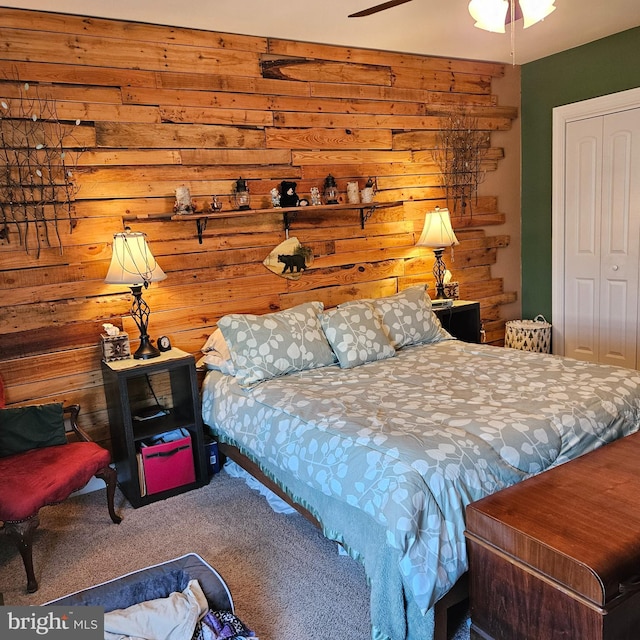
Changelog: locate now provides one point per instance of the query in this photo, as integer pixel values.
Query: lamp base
(439, 270)
(441, 294)
(146, 350)
(140, 313)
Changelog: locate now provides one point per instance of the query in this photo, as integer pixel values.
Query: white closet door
(620, 239)
(582, 238)
(602, 238)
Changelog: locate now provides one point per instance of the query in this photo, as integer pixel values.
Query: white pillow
(216, 354)
(216, 363)
(216, 342)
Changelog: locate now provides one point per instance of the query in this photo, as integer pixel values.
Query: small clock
(164, 344)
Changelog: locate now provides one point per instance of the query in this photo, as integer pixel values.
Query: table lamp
(438, 234)
(133, 264)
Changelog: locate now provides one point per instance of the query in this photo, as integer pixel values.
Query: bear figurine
(288, 195)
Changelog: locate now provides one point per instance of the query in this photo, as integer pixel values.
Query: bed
(388, 434)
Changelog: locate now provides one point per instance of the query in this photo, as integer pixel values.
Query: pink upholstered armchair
(42, 463)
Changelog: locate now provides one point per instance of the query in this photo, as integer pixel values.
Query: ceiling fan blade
(378, 7)
(518, 13)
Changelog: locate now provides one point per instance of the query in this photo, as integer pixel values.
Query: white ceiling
(431, 27)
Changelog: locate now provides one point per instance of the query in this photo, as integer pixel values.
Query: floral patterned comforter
(413, 439)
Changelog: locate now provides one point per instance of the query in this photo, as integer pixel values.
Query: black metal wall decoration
(38, 158)
(460, 149)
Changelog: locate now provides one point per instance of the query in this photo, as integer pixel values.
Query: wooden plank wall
(161, 107)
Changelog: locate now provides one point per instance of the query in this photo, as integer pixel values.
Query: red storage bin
(168, 465)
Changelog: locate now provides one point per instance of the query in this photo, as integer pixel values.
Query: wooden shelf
(289, 214)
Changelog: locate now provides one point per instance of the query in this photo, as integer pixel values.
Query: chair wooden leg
(22, 535)
(110, 477)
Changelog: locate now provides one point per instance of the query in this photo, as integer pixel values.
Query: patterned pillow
(356, 334)
(408, 318)
(274, 344)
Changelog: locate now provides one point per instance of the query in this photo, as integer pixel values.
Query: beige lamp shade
(132, 262)
(437, 231)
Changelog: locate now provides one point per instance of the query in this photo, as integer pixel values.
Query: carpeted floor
(288, 582)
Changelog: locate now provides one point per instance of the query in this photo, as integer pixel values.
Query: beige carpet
(287, 581)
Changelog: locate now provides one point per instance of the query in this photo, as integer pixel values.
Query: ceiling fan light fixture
(535, 10)
(489, 15)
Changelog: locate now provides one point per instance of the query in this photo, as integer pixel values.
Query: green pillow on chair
(24, 428)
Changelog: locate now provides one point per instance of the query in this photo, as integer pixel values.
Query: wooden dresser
(558, 555)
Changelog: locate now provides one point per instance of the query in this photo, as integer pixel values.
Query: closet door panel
(584, 319)
(620, 239)
(602, 239)
(582, 238)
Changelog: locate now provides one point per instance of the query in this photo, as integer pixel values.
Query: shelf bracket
(365, 215)
(201, 225)
(287, 218)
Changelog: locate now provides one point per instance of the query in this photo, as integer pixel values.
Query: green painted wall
(595, 69)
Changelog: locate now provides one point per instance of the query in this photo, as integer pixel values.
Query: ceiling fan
(394, 3)
(378, 7)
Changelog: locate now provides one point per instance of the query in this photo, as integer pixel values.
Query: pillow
(408, 318)
(216, 342)
(25, 428)
(213, 361)
(217, 355)
(356, 334)
(274, 344)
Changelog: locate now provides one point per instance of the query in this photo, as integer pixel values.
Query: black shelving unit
(132, 387)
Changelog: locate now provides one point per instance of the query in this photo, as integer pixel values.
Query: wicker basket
(529, 335)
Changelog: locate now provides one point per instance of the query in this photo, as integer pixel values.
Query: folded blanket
(171, 618)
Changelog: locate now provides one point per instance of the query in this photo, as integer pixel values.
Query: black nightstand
(132, 388)
(462, 320)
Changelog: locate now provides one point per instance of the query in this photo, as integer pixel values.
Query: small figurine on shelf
(353, 195)
(275, 197)
(288, 195)
(241, 194)
(330, 190)
(369, 191)
(315, 196)
(215, 205)
(183, 202)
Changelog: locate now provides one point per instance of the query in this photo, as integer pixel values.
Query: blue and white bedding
(408, 441)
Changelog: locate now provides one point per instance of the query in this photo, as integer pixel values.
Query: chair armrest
(71, 412)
